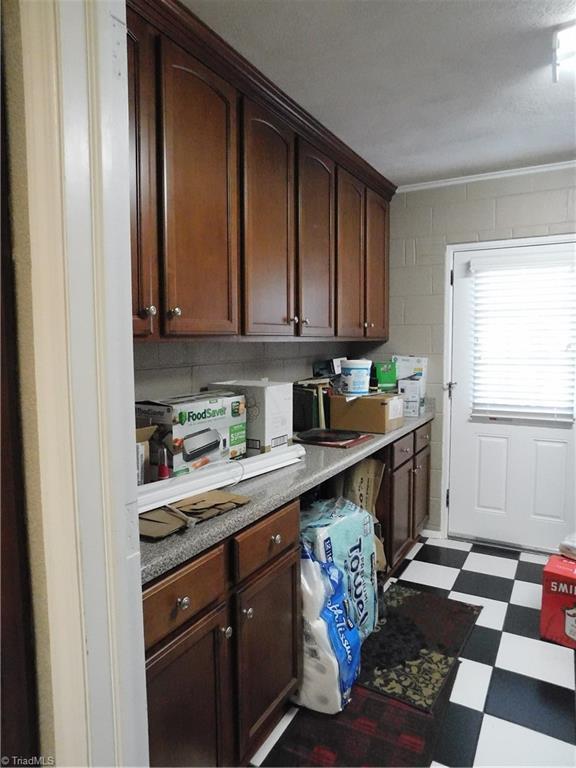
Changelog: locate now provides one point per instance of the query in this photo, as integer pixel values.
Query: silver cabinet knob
(405, 450)
(276, 539)
(183, 603)
(175, 312)
(371, 325)
(365, 324)
(227, 632)
(306, 321)
(248, 612)
(150, 311)
(426, 437)
(294, 319)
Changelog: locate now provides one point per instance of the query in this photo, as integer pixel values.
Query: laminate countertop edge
(267, 493)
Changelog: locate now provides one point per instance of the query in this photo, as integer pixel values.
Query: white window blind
(524, 337)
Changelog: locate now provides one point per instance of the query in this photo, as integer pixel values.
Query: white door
(512, 458)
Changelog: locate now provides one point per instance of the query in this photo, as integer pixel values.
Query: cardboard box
(143, 435)
(412, 391)
(195, 429)
(268, 412)
(371, 413)
(408, 366)
(558, 614)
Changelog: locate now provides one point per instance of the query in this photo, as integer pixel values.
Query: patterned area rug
(373, 730)
(414, 649)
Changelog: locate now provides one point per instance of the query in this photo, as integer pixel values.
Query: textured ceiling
(422, 89)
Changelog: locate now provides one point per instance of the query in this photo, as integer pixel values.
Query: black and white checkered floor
(513, 701)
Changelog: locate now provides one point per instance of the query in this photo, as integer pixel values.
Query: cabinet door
(269, 632)
(189, 696)
(316, 196)
(143, 212)
(200, 197)
(377, 285)
(268, 224)
(350, 256)
(421, 500)
(400, 532)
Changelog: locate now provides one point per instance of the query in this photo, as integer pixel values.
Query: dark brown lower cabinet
(400, 523)
(190, 696)
(268, 621)
(421, 490)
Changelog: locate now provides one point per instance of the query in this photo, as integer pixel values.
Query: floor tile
(262, 753)
(428, 573)
(529, 557)
(527, 594)
(482, 645)
(494, 587)
(463, 546)
(458, 737)
(522, 621)
(536, 658)
(389, 582)
(493, 611)
(471, 684)
(425, 588)
(491, 565)
(487, 549)
(531, 572)
(453, 558)
(414, 551)
(503, 743)
(543, 707)
(401, 568)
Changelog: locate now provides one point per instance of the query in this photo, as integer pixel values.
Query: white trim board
(487, 176)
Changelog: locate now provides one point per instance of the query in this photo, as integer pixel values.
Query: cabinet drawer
(264, 541)
(176, 599)
(423, 436)
(402, 450)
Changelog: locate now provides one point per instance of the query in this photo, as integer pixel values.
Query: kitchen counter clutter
(271, 491)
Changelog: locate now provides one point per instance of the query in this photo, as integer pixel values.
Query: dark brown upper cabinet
(200, 201)
(377, 286)
(268, 223)
(316, 242)
(350, 256)
(142, 134)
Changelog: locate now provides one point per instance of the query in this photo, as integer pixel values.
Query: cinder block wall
(423, 223)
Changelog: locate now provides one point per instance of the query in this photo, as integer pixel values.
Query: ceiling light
(564, 45)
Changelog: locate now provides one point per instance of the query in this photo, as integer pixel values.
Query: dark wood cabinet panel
(268, 223)
(421, 499)
(141, 41)
(200, 170)
(377, 288)
(316, 241)
(350, 256)
(400, 530)
(268, 621)
(190, 696)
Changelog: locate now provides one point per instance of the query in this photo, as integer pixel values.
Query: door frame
(451, 251)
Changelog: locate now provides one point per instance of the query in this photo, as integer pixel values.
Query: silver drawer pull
(183, 603)
(227, 632)
(426, 437)
(276, 539)
(405, 450)
(248, 612)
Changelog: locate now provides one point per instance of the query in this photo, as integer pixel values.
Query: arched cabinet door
(268, 224)
(316, 241)
(377, 287)
(350, 256)
(200, 197)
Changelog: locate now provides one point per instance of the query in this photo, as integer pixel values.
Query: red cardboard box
(558, 615)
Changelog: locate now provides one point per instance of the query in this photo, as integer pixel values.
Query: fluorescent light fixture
(564, 53)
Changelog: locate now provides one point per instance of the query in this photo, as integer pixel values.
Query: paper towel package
(331, 647)
(339, 532)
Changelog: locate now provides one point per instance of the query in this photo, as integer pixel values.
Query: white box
(195, 429)
(268, 412)
(408, 366)
(412, 391)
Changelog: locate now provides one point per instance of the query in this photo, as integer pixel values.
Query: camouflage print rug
(414, 648)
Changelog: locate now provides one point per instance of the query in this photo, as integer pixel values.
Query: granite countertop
(267, 493)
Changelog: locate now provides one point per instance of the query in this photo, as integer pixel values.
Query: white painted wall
(423, 222)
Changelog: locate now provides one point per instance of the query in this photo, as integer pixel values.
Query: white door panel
(511, 480)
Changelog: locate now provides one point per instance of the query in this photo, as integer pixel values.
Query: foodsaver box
(195, 429)
(558, 614)
(342, 533)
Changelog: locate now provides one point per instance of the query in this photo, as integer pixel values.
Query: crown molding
(485, 176)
